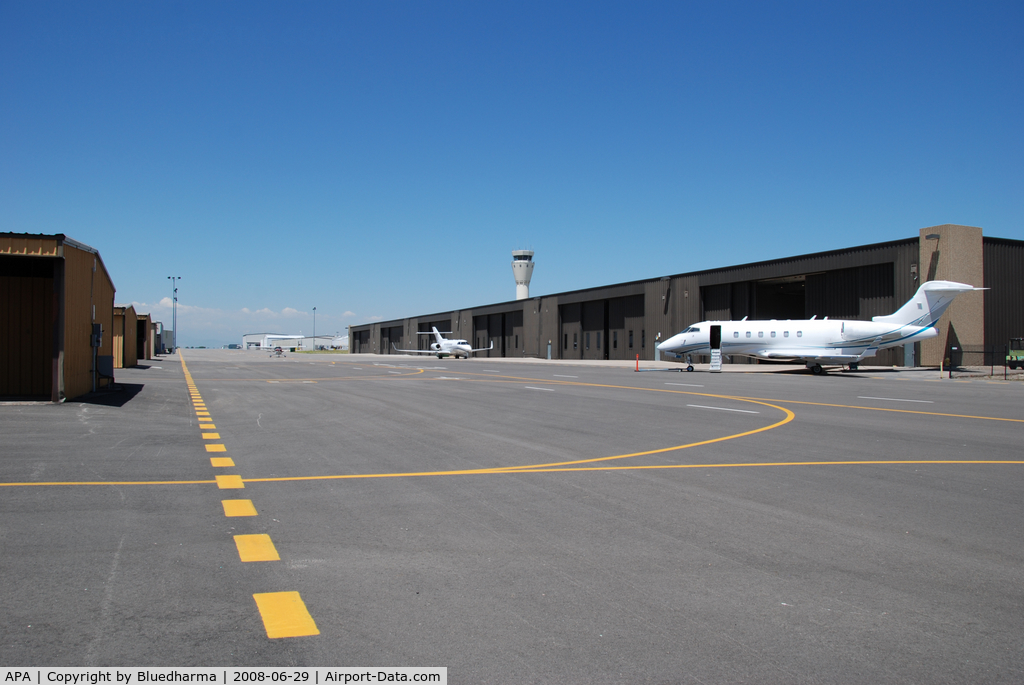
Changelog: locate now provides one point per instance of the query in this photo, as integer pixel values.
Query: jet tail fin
(927, 304)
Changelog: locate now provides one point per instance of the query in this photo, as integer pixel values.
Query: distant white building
(321, 342)
(295, 342)
(268, 341)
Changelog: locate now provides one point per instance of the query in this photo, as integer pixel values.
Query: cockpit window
(692, 329)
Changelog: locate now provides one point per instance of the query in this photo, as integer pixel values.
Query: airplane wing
(413, 351)
(484, 349)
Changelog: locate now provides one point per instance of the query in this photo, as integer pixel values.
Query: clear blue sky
(381, 159)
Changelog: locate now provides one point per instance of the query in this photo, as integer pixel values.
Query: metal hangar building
(625, 320)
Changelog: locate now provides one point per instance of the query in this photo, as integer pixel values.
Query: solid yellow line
(527, 469)
(789, 417)
(256, 548)
(792, 463)
(888, 409)
(284, 614)
(238, 482)
(114, 482)
(734, 397)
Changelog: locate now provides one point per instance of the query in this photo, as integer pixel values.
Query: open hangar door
(27, 327)
(854, 293)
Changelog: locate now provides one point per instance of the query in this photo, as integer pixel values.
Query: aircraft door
(716, 348)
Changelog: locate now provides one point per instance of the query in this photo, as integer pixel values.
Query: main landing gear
(816, 369)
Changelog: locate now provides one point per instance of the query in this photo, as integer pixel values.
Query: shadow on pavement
(118, 395)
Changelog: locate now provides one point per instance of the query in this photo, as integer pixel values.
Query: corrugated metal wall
(125, 337)
(1004, 302)
(87, 285)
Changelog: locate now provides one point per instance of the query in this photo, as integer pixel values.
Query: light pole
(174, 307)
(314, 329)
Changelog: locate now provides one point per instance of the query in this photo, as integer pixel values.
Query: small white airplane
(443, 347)
(821, 341)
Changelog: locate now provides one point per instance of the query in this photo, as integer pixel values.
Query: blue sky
(381, 159)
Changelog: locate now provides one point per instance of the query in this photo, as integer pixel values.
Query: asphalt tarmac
(519, 522)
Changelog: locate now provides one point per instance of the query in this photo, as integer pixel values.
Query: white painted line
(399, 373)
(689, 385)
(557, 375)
(273, 381)
(530, 387)
(742, 411)
(894, 399)
(489, 371)
(309, 381)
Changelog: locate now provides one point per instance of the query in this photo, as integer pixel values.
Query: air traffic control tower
(522, 270)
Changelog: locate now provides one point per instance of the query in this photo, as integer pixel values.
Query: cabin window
(748, 334)
(773, 334)
(785, 334)
(735, 334)
(760, 334)
(799, 334)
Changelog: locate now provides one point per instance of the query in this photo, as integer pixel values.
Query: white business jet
(443, 347)
(821, 341)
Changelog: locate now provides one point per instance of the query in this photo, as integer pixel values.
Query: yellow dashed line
(222, 461)
(238, 507)
(216, 448)
(233, 482)
(256, 548)
(284, 614)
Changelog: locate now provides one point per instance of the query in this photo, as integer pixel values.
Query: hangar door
(504, 329)
(27, 321)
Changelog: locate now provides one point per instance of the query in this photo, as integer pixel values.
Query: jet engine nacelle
(435, 347)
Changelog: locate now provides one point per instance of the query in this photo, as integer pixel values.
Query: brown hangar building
(625, 320)
(53, 292)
